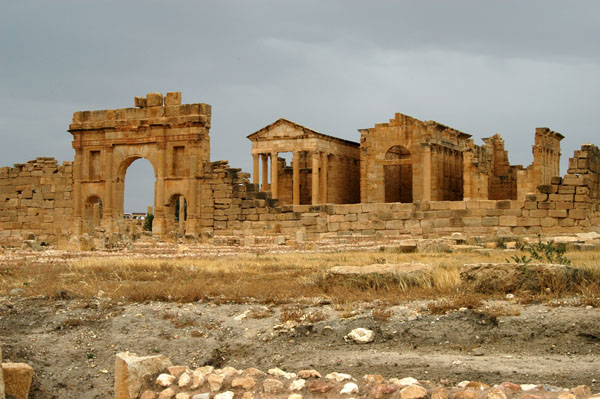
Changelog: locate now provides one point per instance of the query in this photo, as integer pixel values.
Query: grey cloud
(336, 66)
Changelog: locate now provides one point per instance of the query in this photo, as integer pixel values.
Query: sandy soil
(71, 344)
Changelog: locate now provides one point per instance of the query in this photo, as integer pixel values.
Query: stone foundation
(138, 377)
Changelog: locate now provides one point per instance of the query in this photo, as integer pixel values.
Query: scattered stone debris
(277, 382)
(360, 336)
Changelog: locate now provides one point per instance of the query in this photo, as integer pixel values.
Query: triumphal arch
(171, 136)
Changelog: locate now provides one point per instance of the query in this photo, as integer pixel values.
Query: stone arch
(174, 138)
(397, 171)
(92, 215)
(121, 171)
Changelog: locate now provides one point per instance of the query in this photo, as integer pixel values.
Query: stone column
(315, 178)
(109, 193)
(296, 178)
(265, 172)
(159, 223)
(274, 174)
(466, 171)
(77, 193)
(192, 222)
(324, 167)
(255, 168)
(426, 193)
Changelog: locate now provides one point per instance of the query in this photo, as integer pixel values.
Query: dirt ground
(71, 344)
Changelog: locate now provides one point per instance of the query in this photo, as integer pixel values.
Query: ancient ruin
(405, 178)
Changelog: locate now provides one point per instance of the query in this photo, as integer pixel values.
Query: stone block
(131, 371)
(154, 99)
(17, 380)
(140, 102)
(558, 213)
(508, 221)
(173, 98)
(566, 189)
(548, 222)
(490, 221)
(577, 214)
(2, 390)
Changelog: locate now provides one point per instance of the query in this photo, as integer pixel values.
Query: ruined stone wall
(546, 162)
(244, 214)
(421, 219)
(503, 176)
(427, 158)
(227, 195)
(36, 197)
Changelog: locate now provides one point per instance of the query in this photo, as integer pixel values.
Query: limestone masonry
(404, 178)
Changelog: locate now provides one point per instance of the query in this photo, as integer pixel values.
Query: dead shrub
(315, 316)
(260, 313)
(291, 314)
(299, 316)
(381, 313)
(446, 305)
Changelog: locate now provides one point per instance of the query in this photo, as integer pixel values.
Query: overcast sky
(481, 67)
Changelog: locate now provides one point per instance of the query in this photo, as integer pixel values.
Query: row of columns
(320, 166)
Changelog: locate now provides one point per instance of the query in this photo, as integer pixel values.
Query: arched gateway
(173, 137)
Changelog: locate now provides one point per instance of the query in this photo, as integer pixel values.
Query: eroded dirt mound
(491, 278)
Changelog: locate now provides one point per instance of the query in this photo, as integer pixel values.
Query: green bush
(148, 222)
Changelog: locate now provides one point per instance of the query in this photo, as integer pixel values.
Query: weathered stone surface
(184, 380)
(2, 389)
(439, 393)
(243, 382)
(215, 381)
(338, 376)
(349, 388)
(413, 392)
(277, 372)
(361, 335)
(154, 99)
(495, 393)
(167, 393)
(131, 370)
(297, 385)
(165, 380)
(320, 386)
(224, 395)
(466, 395)
(271, 385)
(17, 380)
(253, 372)
(309, 374)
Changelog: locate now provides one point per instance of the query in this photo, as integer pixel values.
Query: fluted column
(255, 168)
(324, 167)
(296, 178)
(274, 174)
(265, 172)
(315, 178)
(426, 193)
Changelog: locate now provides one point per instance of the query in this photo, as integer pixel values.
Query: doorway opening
(397, 172)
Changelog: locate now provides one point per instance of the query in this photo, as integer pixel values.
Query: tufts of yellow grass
(269, 278)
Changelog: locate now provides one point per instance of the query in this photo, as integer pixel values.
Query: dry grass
(299, 315)
(278, 279)
(381, 313)
(445, 305)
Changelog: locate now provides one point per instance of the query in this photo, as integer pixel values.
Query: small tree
(148, 222)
